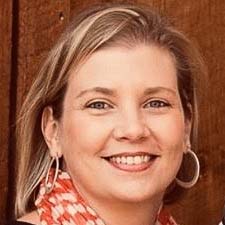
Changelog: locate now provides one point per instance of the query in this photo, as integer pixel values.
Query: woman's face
(123, 131)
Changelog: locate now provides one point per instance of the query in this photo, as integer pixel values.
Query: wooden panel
(204, 22)
(5, 67)
(40, 23)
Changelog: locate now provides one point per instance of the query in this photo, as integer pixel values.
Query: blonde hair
(94, 29)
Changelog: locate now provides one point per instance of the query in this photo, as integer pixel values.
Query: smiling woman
(126, 127)
(114, 107)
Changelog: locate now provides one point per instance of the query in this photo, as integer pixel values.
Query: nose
(131, 127)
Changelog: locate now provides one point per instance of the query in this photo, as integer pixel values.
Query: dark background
(28, 29)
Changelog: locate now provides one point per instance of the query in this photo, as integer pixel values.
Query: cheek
(85, 134)
(169, 131)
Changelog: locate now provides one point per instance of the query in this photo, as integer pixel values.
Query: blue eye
(99, 105)
(157, 104)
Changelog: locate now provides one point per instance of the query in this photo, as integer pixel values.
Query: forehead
(120, 67)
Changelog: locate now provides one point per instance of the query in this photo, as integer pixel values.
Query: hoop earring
(48, 186)
(191, 183)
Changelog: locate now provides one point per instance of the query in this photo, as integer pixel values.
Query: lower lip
(134, 167)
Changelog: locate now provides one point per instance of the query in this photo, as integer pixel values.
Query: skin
(136, 108)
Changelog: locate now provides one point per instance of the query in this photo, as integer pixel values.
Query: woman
(106, 124)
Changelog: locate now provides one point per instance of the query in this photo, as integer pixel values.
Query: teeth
(123, 160)
(131, 160)
(118, 160)
(137, 160)
(146, 158)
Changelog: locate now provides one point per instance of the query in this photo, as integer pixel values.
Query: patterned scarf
(65, 206)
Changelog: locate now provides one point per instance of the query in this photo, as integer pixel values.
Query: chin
(138, 194)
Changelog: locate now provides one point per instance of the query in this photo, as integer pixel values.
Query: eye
(157, 104)
(99, 105)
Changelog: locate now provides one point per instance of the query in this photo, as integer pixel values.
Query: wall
(5, 79)
(29, 28)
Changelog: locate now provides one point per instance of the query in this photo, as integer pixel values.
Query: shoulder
(28, 219)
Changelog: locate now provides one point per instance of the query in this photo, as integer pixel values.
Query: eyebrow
(112, 92)
(101, 90)
(154, 90)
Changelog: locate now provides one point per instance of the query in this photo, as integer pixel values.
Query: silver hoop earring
(48, 186)
(191, 183)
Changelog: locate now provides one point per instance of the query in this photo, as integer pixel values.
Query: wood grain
(5, 68)
(39, 24)
(204, 21)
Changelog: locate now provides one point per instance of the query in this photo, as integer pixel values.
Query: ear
(50, 131)
(188, 126)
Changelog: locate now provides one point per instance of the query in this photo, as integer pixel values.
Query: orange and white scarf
(65, 206)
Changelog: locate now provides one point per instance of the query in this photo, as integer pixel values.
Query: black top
(19, 223)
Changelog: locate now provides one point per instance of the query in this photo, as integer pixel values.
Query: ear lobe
(188, 126)
(187, 135)
(50, 131)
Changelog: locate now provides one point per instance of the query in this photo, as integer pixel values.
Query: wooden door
(5, 79)
(36, 26)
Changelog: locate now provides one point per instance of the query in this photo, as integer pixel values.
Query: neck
(135, 213)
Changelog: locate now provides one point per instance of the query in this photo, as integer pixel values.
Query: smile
(132, 163)
(131, 160)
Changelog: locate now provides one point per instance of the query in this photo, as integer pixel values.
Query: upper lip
(131, 154)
